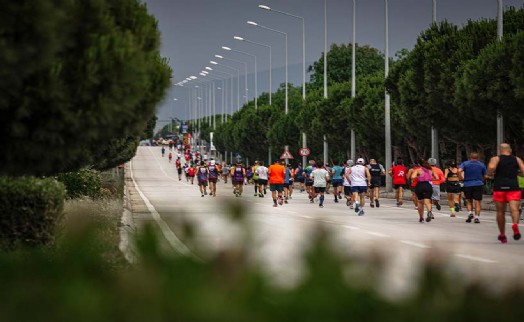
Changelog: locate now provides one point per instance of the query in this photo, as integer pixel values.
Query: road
(281, 234)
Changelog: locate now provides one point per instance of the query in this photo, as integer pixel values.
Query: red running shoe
(516, 232)
(503, 239)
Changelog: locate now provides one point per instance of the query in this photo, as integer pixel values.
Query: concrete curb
(128, 226)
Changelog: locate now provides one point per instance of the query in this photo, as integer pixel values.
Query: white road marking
(476, 259)
(307, 217)
(352, 227)
(411, 243)
(377, 234)
(169, 235)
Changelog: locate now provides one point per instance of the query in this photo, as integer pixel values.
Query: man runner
(398, 173)
(262, 179)
(435, 183)
(347, 184)
(238, 173)
(277, 173)
(213, 178)
(320, 177)
(506, 190)
(376, 171)
(337, 172)
(255, 177)
(473, 171)
(360, 178)
(202, 177)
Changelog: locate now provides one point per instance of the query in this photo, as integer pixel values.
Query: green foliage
(82, 183)
(30, 211)
(115, 152)
(70, 90)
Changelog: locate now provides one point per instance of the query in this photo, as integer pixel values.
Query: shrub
(30, 211)
(83, 183)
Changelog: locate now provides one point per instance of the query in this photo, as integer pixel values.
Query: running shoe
(357, 207)
(421, 220)
(336, 200)
(429, 216)
(339, 195)
(265, 192)
(275, 205)
(202, 195)
(438, 206)
(350, 206)
(516, 232)
(377, 203)
(372, 205)
(285, 201)
(320, 206)
(476, 221)
(453, 215)
(432, 216)
(457, 207)
(280, 201)
(361, 212)
(400, 202)
(348, 203)
(205, 192)
(503, 239)
(261, 195)
(470, 218)
(255, 195)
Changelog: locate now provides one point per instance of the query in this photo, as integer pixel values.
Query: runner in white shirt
(347, 184)
(320, 176)
(262, 179)
(360, 179)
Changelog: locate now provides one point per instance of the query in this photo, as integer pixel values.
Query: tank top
(213, 171)
(238, 174)
(375, 171)
(202, 174)
(358, 176)
(451, 174)
(506, 174)
(425, 176)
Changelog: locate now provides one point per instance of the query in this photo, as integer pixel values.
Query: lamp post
(245, 76)
(434, 131)
(263, 45)
(303, 44)
(387, 98)
(353, 75)
(173, 113)
(325, 76)
(232, 76)
(256, 75)
(252, 23)
(500, 33)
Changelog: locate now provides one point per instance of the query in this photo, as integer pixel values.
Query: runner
(308, 182)
(360, 178)
(178, 166)
(291, 186)
(249, 175)
(328, 182)
(255, 177)
(398, 172)
(277, 174)
(299, 177)
(170, 156)
(337, 172)
(413, 184)
(320, 177)
(262, 179)
(202, 177)
(163, 151)
(287, 180)
(424, 175)
(376, 171)
(451, 174)
(238, 173)
(521, 186)
(186, 171)
(347, 184)
(435, 184)
(213, 178)
(473, 171)
(225, 172)
(191, 172)
(506, 190)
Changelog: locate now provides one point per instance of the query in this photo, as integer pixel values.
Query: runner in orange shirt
(435, 183)
(277, 174)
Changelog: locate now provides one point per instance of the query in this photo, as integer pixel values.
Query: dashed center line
(476, 259)
(412, 243)
(377, 234)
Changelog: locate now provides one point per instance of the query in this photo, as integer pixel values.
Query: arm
(521, 166)
(368, 176)
(414, 174)
(492, 166)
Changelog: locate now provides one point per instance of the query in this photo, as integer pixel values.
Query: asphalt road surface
(280, 235)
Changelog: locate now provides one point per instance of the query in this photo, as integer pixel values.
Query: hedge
(30, 211)
(82, 183)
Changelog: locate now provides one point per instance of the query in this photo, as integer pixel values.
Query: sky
(193, 31)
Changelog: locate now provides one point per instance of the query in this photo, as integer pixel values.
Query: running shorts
(506, 196)
(202, 183)
(424, 190)
(359, 189)
(262, 182)
(473, 192)
(286, 185)
(179, 170)
(320, 189)
(337, 182)
(276, 187)
(309, 184)
(375, 183)
(301, 180)
(397, 186)
(213, 180)
(347, 190)
(453, 187)
(436, 192)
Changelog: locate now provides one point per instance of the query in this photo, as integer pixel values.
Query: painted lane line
(307, 217)
(476, 259)
(352, 227)
(377, 234)
(169, 235)
(411, 243)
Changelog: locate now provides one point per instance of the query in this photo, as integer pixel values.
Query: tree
(66, 92)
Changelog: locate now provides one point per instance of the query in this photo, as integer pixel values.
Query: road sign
(286, 155)
(304, 152)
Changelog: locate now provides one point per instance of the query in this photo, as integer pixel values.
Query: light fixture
(252, 23)
(213, 62)
(218, 56)
(261, 6)
(226, 48)
(238, 38)
(193, 77)
(209, 68)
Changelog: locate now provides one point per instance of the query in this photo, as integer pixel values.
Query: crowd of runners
(355, 182)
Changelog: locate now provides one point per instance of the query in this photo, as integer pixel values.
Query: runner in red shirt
(399, 172)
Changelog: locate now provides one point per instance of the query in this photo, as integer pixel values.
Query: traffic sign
(286, 155)
(304, 152)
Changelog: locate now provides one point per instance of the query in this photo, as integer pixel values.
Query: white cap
(212, 162)
(360, 160)
(350, 163)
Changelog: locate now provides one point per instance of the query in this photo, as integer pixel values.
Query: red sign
(304, 152)
(286, 155)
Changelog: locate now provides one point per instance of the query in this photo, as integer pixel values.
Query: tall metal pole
(353, 75)
(287, 97)
(256, 84)
(387, 99)
(500, 33)
(325, 75)
(434, 131)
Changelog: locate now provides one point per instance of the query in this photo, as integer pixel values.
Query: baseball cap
(360, 160)
(212, 162)
(432, 161)
(350, 163)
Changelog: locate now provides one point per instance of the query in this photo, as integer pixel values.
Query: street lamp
(238, 83)
(256, 75)
(500, 33)
(303, 43)
(263, 45)
(252, 23)
(245, 76)
(387, 98)
(353, 76)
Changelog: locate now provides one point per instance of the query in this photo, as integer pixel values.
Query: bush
(30, 211)
(83, 183)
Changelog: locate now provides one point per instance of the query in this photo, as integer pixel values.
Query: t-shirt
(399, 173)
(277, 173)
(474, 172)
(375, 170)
(358, 176)
(262, 172)
(255, 173)
(337, 172)
(319, 177)
(440, 176)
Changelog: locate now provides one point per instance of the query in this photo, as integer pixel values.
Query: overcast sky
(193, 31)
